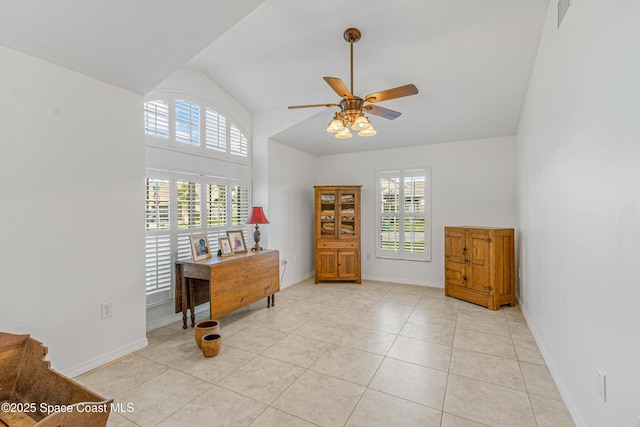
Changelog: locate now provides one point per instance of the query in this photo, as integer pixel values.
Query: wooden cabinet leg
(271, 300)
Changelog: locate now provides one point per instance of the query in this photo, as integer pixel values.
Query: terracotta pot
(205, 327)
(211, 345)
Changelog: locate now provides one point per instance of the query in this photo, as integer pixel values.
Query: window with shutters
(156, 118)
(193, 125)
(179, 204)
(403, 220)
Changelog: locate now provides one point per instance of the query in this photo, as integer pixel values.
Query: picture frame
(225, 246)
(237, 241)
(200, 248)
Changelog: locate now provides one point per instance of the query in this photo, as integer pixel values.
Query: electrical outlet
(283, 262)
(601, 384)
(368, 255)
(106, 310)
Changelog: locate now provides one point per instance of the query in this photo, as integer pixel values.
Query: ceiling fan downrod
(351, 35)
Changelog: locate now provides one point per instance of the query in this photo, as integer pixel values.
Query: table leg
(183, 293)
(192, 303)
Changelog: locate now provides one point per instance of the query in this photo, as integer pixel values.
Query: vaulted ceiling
(471, 60)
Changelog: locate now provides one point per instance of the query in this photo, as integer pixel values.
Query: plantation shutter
(187, 122)
(158, 265)
(238, 142)
(403, 225)
(189, 212)
(156, 118)
(215, 130)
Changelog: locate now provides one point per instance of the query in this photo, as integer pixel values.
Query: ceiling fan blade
(339, 87)
(397, 92)
(382, 112)
(291, 107)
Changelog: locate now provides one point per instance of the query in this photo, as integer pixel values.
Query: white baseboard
(96, 362)
(405, 281)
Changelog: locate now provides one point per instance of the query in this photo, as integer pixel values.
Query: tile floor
(338, 354)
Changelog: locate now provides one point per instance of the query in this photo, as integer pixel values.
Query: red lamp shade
(257, 216)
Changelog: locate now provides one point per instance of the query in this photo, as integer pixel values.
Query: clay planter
(204, 328)
(211, 345)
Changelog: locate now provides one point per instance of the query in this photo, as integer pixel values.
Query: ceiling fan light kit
(352, 107)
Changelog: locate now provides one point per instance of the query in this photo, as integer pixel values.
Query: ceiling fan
(352, 107)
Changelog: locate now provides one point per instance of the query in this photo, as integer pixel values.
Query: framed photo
(200, 246)
(225, 246)
(237, 241)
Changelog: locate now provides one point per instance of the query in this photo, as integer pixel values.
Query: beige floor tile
(440, 303)
(488, 403)
(348, 364)
(428, 332)
(539, 381)
(216, 407)
(416, 383)
(118, 378)
(254, 339)
(483, 321)
(282, 321)
(214, 369)
(308, 308)
(434, 317)
(383, 410)
(346, 316)
(485, 367)
(380, 322)
(173, 351)
(276, 418)
(449, 420)
(550, 412)
(262, 379)
(367, 340)
(297, 350)
(521, 331)
(160, 335)
(322, 330)
(159, 397)
(117, 420)
(425, 353)
(527, 351)
(481, 342)
(320, 399)
(392, 309)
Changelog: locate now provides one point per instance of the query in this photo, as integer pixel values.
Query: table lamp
(256, 217)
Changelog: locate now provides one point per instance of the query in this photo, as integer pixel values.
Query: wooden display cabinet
(337, 232)
(480, 265)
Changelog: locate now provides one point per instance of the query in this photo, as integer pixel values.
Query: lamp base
(256, 238)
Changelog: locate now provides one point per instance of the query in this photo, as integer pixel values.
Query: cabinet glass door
(328, 215)
(348, 214)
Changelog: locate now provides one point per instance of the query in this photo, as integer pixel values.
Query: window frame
(242, 156)
(179, 236)
(402, 214)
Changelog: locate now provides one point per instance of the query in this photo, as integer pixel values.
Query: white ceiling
(471, 60)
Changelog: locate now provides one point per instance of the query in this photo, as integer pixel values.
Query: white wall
(71, 176)
(473, 183)
(578, 151)
(292, 175)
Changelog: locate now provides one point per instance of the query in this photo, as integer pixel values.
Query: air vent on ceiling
(563, 7)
